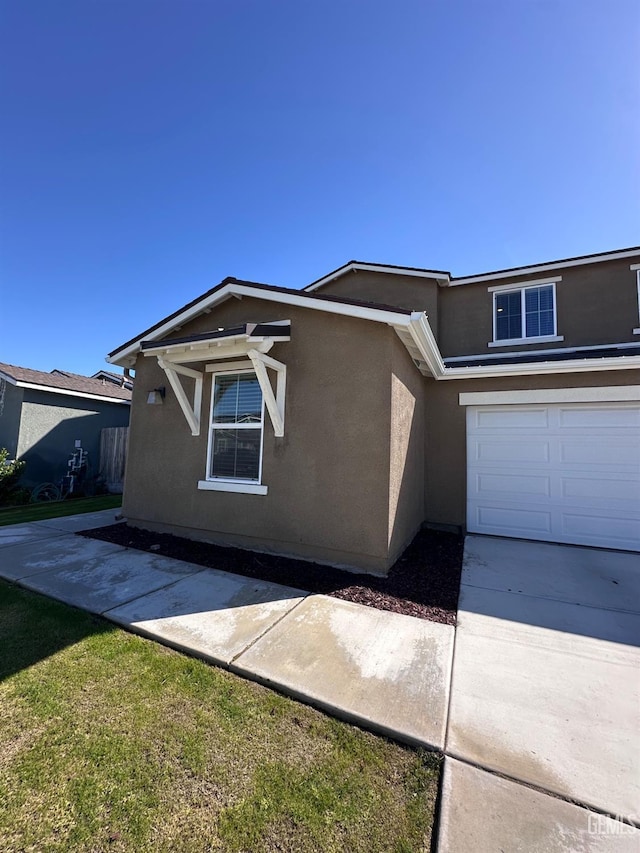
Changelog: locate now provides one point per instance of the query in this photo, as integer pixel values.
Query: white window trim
(521, 288)
(226, 484)
(518, 285)
(543, 339)
(636, 267)
(232, 486)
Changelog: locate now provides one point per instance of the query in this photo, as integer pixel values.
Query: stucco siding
(407, 451)
(596, 304)
(49, 425)
(10, 407)
(445, 435)
(401, 291)
(327, 479)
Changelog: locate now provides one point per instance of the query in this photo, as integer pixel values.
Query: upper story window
(524, 314)
(236, 430)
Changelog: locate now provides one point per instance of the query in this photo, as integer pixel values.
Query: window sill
(229, 486)
(546, 339)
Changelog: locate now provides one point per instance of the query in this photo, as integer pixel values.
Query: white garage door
(563, 473)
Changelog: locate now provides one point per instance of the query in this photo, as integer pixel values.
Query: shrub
(10, 473)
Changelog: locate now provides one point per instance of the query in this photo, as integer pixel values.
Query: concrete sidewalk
(535, 674)
(388, 672)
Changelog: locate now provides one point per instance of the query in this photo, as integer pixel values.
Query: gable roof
(120, 379)
(125, 354)
(63, 382)
(441, 276)
(445, 279)
(412, 327)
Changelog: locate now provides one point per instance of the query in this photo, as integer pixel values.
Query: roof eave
(440, 276)
(516, 272)
(68, 392)
(126, 356)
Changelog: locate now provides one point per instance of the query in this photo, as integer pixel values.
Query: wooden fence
(114, 442)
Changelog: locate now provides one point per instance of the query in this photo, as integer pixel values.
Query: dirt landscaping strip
(424, 582)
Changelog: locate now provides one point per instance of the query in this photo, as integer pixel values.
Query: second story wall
(400, 291)
(595, 304)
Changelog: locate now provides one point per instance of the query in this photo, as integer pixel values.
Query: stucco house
(43, 414)
(331, 422)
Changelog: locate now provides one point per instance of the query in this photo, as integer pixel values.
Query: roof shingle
(65, 381)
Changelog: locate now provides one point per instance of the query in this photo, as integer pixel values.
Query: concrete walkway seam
(269, 628)
(572, 802)
(551, 598)
(450, 696)
(145, 594)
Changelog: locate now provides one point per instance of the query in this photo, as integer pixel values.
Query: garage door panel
(523, 523)
(624, 490)
(591, 527)
(619, 418)
(575, 480)
(501, 484)
(621, 452)
(508, 452)
(508, 419)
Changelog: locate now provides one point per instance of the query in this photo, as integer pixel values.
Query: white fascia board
(127, 356)
(577, 262)
(554, 351)
(68, 393)
(362, 312)
(420, 330)
(439, 277)
(583, 365)
(213, 353)
(597, 394)
(186, 346)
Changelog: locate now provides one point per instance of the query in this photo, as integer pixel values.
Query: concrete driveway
(545, 690)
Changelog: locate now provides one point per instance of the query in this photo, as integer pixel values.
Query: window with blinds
(235, 441)
(528, 312)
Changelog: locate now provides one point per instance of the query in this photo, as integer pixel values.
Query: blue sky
(150, 148)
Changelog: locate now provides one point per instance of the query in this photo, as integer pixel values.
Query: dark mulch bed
(424, 582)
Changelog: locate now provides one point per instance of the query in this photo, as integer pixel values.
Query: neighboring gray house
(43, 414)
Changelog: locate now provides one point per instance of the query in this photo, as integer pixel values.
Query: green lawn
(111, 742)
(54, 509)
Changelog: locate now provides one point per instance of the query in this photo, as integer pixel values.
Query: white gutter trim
(66, 392)
(582, 365)
(554, 351)
(420, 331)
(441, 277)
(577, 262)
